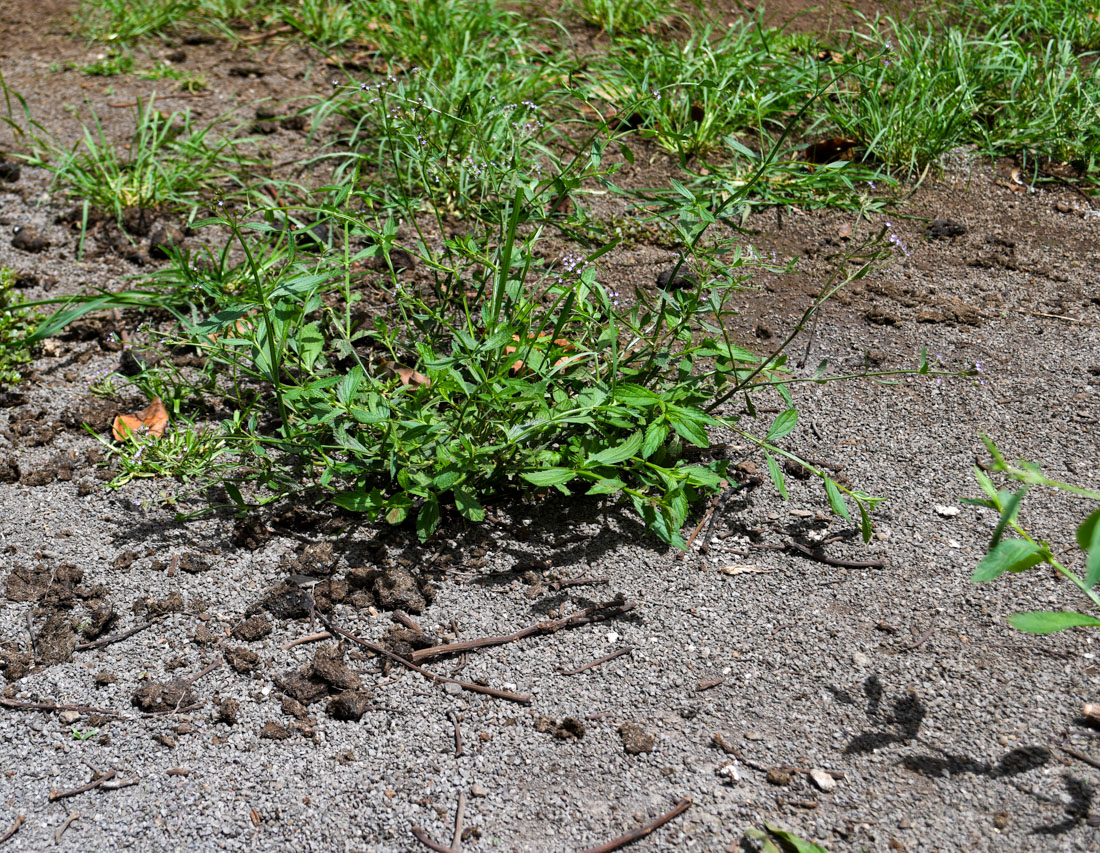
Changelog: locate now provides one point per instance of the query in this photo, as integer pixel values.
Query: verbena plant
(1027, 552)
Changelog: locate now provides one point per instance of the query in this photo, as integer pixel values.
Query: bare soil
(930, 724)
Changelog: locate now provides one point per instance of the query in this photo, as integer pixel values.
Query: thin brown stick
(113, 638)
(458, 733)
(90, 786)
(615, 607)
(34, 639)
(403, 618)
(423, 837)
(308, 638)
(618, 653)
(460, 813)
(631, 837)
(1080, 756)
(14, 828)
(921, 639)
(521, 698)
(121, 783)
(181, 95)
(204, 672)
(702, 521)
(831, 561)
(1077, 320)
(61, 829)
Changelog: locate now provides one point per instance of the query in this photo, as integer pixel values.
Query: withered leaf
(407, 375)
(152, 420)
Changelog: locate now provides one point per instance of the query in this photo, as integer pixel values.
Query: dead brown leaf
(152, 420)
(407, 375)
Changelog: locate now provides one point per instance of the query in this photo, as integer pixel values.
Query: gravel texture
(927, 722)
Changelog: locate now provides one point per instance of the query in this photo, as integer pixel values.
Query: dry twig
(61, 829)
(831, 561)
(97, 782)
(631, 837)
(308, 638)
(113, 638)
(458, 733)
(615, 607)
(618, 653)
(460, 812)
(382, 650)
(14, 828)
(423, 837)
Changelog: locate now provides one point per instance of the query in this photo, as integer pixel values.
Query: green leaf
(791, 843)
(234, 494)
(1047, 622)
(606, 486)
(836, 500)
(310, 344)
(776, 475)
(697, 475)
(628, 155)
(1010, 555)
(620, 453)
(655, 435)
(865, 528)
(427, 520)
(549, 476)
(300, 284)
(1008, 515)
(1088, 537)
(399, 506)
(690, 424)
(986, 484)
(468, 505)
(782, 425)
(358, 500)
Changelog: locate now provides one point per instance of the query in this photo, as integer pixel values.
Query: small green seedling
(1019, 555)
(88, 735)
(776, 840)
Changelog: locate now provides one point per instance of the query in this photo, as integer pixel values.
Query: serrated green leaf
(1047, 622)
(606, 486)
(697, 475)
(468, 505)
(655, 435)
(311, 342)
(549, 476)
(619, 453)
(1010, 555)
(690, 424)
(836, 499)
(776, 475)
(782, 425)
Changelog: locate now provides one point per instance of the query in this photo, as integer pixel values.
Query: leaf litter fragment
(151, 421)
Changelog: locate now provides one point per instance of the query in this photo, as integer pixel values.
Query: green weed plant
(1026, 552)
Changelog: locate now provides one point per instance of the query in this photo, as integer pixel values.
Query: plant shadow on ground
(901, 725)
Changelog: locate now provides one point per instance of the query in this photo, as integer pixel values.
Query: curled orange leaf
(152, 420)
